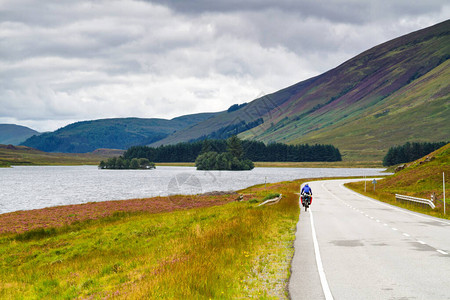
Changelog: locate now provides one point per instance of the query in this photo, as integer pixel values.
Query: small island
(230, 160)
(120, 163)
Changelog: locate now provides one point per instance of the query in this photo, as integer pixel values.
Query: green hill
(390, 94)
(420, 178)
(120, 133)
(15, 134)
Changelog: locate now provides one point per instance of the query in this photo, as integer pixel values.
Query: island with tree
(232, 159)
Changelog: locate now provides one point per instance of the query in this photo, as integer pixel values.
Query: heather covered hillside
(390, 94)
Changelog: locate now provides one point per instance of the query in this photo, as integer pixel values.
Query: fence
(416, 200)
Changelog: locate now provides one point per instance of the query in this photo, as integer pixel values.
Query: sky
(63, 61)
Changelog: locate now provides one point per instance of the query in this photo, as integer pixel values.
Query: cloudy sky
(63, 61)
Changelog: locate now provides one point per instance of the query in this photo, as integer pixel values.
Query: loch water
(32, 187)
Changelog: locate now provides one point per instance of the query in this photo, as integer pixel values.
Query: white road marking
(391, 206)
(323, 278)
(377, 220)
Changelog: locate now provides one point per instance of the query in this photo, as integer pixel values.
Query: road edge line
(323, 278)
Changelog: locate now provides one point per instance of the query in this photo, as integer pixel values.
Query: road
(352, 247)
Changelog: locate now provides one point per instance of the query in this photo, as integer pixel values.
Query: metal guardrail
(415, 199)
(271, 201)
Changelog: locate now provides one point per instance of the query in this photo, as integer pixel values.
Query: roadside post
(365, 184)
(443, 186)
(374, 182)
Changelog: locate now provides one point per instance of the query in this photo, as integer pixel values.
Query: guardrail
(416, 200)
(271, 201)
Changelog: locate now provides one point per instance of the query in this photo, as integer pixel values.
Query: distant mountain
(15, 134)
(119, 133)
(393, 93)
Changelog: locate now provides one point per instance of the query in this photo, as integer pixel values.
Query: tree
(206, 146)
(235, 147)
(134, 164)
(145, 164)
(102, 165)
(409, 152)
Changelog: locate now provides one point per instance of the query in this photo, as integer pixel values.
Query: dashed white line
(391, 206)
(325, 286)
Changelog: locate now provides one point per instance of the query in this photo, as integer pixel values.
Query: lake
(32, 187)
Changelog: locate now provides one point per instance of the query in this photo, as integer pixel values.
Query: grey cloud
(346, 11)
(74, 60)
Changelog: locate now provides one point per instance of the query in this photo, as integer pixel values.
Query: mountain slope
(15, 134)
(119, 133)
(393, 93)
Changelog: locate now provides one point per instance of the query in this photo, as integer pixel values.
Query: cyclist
(306, 190)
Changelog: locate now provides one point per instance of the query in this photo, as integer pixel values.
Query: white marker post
(443, 185)
(365, 184)
(374, 183)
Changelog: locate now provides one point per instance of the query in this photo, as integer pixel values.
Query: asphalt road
(352, 247)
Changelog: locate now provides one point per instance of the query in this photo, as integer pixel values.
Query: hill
(420, 178)
(119, 133)
(393, 93)
(22, 155)
(15, 134)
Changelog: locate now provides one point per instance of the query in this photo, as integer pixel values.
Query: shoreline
(21, 221)
(337, 164)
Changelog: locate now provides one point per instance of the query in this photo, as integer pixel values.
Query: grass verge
(337, 164)
(420, 178)
(388, 196)
(235, 250)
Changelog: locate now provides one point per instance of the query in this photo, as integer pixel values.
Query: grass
(338, 164)
(271, 196)
(421, 178)
(28, 156)
(235, 250)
